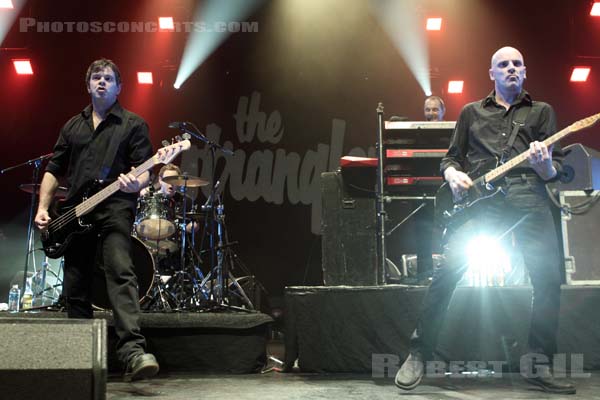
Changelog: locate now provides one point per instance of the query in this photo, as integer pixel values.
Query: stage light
(595, 11)
(434, 24)
(200, 45)
(23, 67)
(580, 74)
(145, 78)
(6, 4)
(166, 23)
(488, 262)
(455, 86)
(408, 36)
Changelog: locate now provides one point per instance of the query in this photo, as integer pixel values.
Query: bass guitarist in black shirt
(103, 142)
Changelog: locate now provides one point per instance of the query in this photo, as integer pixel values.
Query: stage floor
(292, 386)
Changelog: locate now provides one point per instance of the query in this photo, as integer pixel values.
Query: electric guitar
(450, 210)
(69, 220)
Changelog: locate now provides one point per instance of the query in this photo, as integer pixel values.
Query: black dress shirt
(484, 128)
(79, 153)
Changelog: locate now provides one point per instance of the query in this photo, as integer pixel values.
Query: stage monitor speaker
(52, 358)
(581, 169)
(580, 231)
(349, 241)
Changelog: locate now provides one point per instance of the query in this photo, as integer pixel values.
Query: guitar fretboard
(89, 204)
(513, 162)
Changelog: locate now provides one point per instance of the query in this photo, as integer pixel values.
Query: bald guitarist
(504, 124)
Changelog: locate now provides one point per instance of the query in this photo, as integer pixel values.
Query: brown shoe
(140, 366)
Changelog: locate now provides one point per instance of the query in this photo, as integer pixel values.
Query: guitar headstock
(168, 152)
(584, 123)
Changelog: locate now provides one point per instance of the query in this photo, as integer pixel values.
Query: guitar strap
(113, 146)
(519, 118)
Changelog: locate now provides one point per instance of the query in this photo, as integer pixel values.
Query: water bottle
(27, 297)
(14, 296)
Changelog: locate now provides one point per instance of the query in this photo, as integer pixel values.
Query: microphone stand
(380, 201)
(36, 163)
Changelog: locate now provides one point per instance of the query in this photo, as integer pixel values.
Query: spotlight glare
(6, 4)
(580, 74)
(434, 24)
(166, 23)
(455, 86)
(23, 67)
(145, 78)
(595, 11)
(488, 262)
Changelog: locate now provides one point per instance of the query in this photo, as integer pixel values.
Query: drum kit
(167, 264)
(166, 258)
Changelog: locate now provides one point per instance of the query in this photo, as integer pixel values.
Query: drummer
(170, 191)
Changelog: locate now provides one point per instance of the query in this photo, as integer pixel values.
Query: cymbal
(192, 215)
(185, 180)
(61, 192)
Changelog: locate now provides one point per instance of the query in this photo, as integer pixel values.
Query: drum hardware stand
(190, 271)
(219, 272)
(158, 300)
(221, 276)
(37, 164)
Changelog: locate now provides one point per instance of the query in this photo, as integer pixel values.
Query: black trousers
(107, 246)
(525, 213)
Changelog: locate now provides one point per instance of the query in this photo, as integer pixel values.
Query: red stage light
(23, 67)
(6, 4)
(595, 11)
(580, 74)
(455, 86)
(434, 24)
(166, 23)
(145, 78)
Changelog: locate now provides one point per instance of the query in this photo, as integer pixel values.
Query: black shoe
(545, 381)
(411, 372)
(140, 366)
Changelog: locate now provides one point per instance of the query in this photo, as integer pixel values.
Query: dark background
(312, 61)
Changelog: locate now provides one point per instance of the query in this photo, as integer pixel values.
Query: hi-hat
(185, 180)
(192, 215)
(61, 191)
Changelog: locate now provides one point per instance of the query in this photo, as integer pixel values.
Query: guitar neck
(89, 204)
(513, 162)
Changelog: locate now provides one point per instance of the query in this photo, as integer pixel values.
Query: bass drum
(144, 270)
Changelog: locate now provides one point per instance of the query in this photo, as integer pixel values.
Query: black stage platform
(215, 342)
(351, 329)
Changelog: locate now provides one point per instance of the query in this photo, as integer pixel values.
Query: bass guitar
(68, 219)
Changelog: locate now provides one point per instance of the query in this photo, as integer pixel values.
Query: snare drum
(154, 219)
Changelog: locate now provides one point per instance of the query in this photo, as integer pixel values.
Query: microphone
(177, 125)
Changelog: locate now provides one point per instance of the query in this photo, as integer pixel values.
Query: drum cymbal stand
(220, 276)
(189, 272)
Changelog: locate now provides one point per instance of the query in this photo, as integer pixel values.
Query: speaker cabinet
(349, 241)
(47, 358)
(580, 231)
(581, 169)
